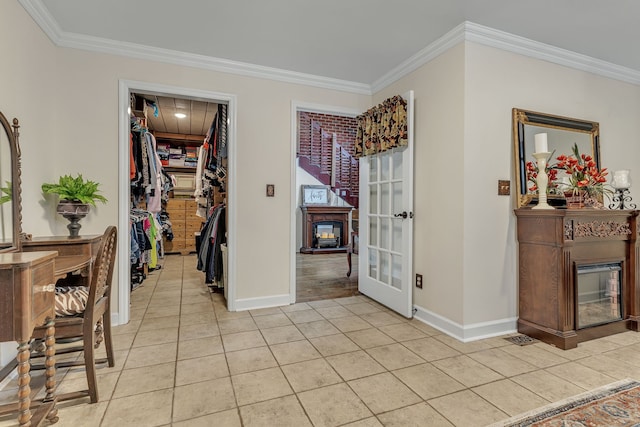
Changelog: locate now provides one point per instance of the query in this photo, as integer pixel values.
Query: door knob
(404, 215)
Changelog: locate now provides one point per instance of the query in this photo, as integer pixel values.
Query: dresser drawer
(176, 216)
(193, 225)
(42, 292)
(176, 204)
(176, 244)
(178, 225)
(26, 297)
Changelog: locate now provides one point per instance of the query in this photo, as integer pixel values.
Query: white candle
(541, 143)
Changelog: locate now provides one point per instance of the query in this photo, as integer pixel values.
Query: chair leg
(108, 343)
(90, 369)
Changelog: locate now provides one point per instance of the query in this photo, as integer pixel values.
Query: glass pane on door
(373, 231)
(396, 271)
(384, 233)
(373, 263)
(397, 164)
(384, 268)
(385, 198)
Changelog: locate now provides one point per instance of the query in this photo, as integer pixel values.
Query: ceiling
(199, 114)
(351, 40)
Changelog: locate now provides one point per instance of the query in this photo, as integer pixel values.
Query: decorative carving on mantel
(568, 230)
(600, 229)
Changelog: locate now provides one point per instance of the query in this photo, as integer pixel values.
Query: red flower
(582, 172)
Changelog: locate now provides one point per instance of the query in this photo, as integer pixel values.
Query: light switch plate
(504, 187)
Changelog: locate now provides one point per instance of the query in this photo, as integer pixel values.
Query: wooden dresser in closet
(184, 223)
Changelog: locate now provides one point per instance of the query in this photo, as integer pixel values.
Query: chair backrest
(102, 275)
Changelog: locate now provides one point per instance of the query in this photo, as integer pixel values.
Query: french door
(385, 261)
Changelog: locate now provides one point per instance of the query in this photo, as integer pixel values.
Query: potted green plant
(6, 193)
(76, 195)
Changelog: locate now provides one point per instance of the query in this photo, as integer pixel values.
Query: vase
(575, 200)
(73, 212)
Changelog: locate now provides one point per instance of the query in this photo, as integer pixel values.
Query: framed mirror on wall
(10, 210)
(562, 134)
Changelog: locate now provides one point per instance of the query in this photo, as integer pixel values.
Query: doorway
(126, 88)
(321, 272)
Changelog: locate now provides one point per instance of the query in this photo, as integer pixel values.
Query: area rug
(616, 404)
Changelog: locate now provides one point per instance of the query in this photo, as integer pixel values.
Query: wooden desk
(75, 254)
(27, 300)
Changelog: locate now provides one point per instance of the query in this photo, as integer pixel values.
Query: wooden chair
(352, 249)
(93, 324)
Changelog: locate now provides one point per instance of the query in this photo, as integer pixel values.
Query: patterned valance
(382, 127)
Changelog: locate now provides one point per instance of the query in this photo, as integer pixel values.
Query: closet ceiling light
(180, 115)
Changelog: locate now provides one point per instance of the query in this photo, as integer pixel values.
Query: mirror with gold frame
(10, 197)
(562, 134)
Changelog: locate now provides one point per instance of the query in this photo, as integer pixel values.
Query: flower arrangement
(552, 174)
(583, 174)
(576, 176)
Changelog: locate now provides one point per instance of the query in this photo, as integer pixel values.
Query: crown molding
(527, 47)
(43, 18)
(466, 31)
(469, 31)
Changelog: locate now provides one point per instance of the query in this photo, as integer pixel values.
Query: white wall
(27, 91)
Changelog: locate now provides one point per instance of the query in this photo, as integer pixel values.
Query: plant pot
(73, 212)
(575, 200)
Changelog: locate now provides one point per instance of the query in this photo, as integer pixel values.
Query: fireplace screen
(327, 234)
(598, 295)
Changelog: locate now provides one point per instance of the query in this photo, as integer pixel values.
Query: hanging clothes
(154, 190)
(213, 234)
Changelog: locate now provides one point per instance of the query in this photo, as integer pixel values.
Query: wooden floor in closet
(324, 276)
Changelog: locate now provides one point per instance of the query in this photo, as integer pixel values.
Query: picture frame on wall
(315, 195)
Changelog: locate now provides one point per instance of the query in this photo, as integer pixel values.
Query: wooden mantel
(315, 213)
(551, 246)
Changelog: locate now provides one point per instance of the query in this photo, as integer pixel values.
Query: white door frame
(125, 87)
(314, 108)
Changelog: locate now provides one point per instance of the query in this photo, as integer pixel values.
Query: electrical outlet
(419, 281)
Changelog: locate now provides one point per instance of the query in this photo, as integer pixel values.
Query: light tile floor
(184, 360)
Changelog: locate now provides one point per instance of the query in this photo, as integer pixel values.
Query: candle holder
(542, 180)
(621, 199)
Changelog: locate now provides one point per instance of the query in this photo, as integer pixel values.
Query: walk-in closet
(178, 185)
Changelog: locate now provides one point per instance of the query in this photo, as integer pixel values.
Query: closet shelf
(179, 139)
(179, 168)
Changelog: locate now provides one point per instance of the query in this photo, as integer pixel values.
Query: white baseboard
(115, 319)
(262, 302)
(466, 333)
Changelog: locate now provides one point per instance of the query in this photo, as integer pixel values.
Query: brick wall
(343, 127)
(315, 132)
